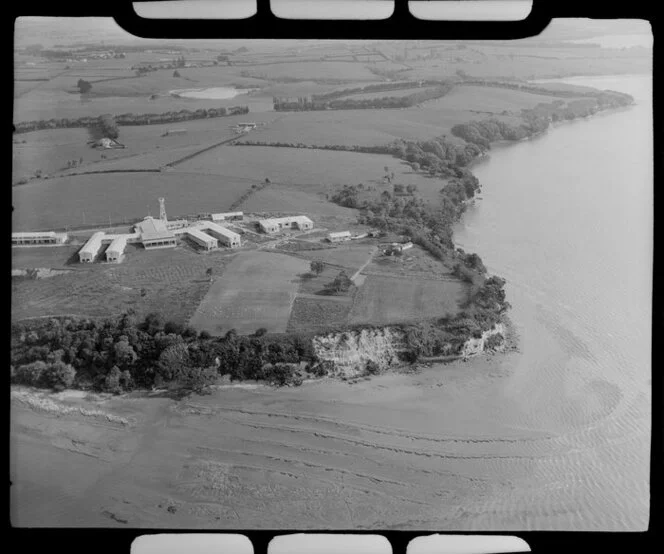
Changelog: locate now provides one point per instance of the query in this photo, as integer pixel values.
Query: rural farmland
(255, 291)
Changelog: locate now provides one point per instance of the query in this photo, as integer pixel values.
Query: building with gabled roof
(155, 234)
(225, 236)
(91, 248)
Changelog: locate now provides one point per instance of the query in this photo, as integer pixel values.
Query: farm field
(49, 150)
(320, 169)
(256, 290)
(312, 71)
(491, 99)
(383, 299)
(310, 314)
(364, 127)
(86, 199)
(44, 256)
(302, 199)
(170, 281)
(350, 256)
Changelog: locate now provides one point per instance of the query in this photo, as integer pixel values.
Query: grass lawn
(256, 290)
(383, 299)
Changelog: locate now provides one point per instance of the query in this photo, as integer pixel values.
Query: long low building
(32, 239)
(202, 239)
(276, 224)
(225, 236)
(339, 237)
(91, 248)
(228, 216)
(155, 234)
(116, 249)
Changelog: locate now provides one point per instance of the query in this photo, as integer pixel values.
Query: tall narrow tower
(162, 209)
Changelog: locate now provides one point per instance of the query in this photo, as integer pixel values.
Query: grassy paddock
(256, 290)
(389, 299)
(171, 282)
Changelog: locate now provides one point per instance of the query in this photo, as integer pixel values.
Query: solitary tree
(176, 73)
(317, 267)
(83, 86)
(209, 273)
(341, 283)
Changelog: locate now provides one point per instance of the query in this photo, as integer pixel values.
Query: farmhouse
(116, 249)
(155, 234)
(29, 239)
(273, 225)
(339, 237)
(225, 236)
(228, 216)
(202, 239)
(91, 248)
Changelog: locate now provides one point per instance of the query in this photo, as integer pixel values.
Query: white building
(116, 249)
(202, 239)
(33, 239)
(177, 224)
(91, 248)
(339, 237)
(225, 236)
(273, 225)
(228, 216)
(155, 234)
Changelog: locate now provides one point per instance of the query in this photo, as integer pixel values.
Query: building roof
(276, 220)
(93, 244)
(194, 232)
(221, 230)
(118, 244)
(153, 229)
(226, 214)
(340, 234)
(44, 234)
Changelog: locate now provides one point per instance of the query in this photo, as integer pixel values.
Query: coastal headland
(155, 389)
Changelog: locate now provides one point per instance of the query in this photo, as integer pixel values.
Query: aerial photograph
(331, 284)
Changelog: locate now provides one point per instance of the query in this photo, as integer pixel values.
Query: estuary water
(567, 220)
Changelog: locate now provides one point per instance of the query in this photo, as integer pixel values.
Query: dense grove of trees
(105, 127)
(122, 353)
(337, 101)
(131, 119)
(536, 120)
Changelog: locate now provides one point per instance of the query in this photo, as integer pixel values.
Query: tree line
(349, 103)
(123, 353)
(130, 119)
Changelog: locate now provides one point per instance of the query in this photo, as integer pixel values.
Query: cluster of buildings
(276, 224)
(155, 233)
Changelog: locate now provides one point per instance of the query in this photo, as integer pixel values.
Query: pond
(211, 93)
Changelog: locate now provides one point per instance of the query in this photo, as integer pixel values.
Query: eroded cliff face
(350, 351)
(473, 347)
